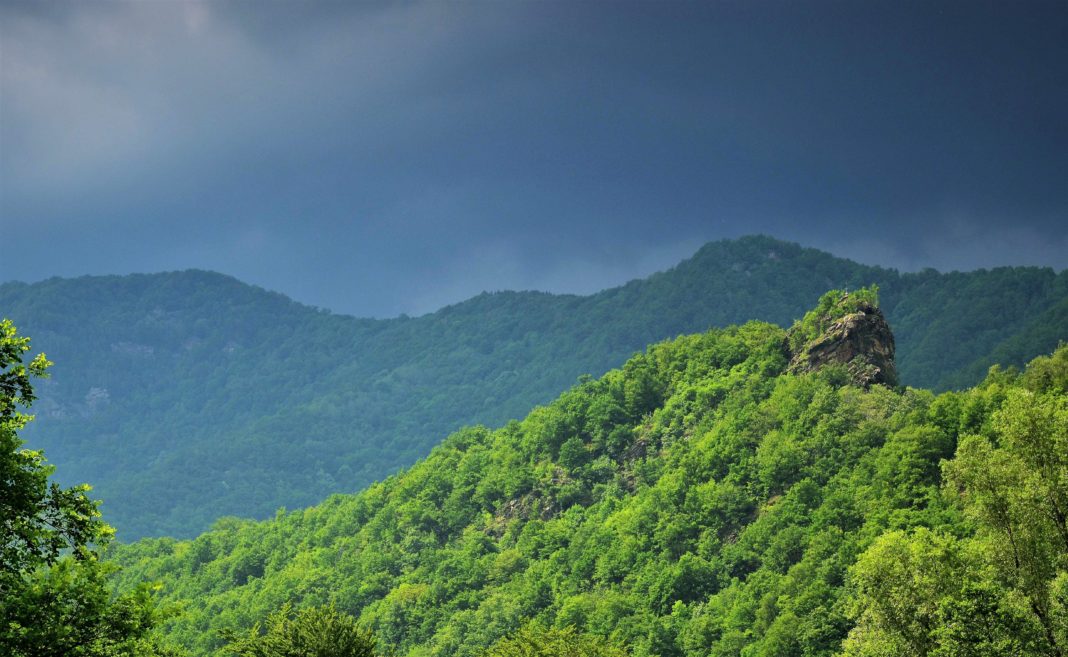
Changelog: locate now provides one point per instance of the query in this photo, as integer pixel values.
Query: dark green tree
(38, 519)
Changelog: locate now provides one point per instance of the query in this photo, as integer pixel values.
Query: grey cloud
(120, 89)
(380, 158)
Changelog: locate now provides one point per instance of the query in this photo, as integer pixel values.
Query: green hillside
(294, 403)
(698, 501)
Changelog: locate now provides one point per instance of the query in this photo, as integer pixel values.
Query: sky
(385, 158)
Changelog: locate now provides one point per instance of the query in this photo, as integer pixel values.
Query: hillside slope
(294, 403)
(699, 501)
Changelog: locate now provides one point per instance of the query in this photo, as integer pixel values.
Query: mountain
(294, 403)
(744, 491)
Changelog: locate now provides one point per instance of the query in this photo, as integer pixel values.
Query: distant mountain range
(186, 396)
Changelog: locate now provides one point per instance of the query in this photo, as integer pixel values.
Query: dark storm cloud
(385, 157)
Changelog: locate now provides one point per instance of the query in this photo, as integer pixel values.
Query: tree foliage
(296, 403)
(998, 589)
(38, 518)
(535, 641)
(698, 501)
(311, 632)
(54, 596)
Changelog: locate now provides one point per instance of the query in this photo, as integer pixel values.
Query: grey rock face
(862, 341)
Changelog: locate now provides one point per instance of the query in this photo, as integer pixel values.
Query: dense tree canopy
(311, 632)
(697, 501)
(535, 641)
(296, 403)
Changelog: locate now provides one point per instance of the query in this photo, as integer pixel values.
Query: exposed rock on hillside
(861, 340)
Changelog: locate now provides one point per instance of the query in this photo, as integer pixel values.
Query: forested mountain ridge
(294, 403)
(701, 500)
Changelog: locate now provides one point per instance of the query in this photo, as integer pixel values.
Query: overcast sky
(395, 157)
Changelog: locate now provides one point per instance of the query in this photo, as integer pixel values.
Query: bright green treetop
(832, 306)
(533, 640)
(312, 632)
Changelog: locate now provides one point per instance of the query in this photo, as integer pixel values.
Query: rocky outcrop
(861, 340)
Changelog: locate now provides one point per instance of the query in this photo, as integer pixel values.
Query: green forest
(722, 493)
(533, 328)
(294, 403)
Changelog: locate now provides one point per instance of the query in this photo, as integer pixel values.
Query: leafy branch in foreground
(54, 594)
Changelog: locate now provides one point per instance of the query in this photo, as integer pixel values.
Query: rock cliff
(861, 340)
